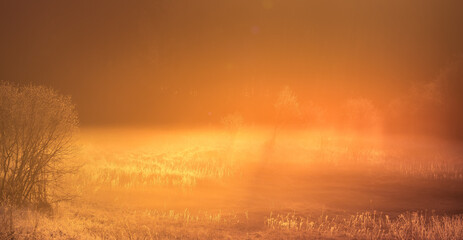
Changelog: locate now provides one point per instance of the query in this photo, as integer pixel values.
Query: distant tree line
(433, 108)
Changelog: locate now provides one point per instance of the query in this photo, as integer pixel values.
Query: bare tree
(37, 128)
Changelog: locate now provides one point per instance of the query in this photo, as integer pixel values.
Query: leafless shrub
(37, 126)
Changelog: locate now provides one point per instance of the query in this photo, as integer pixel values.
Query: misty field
(217, 184)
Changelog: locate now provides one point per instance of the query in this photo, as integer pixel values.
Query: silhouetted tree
(37, 126)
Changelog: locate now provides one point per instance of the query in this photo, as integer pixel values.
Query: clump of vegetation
(374, 225)
(130, 170)
(37, 127)
(89, 223)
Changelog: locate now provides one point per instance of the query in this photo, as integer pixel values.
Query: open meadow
(231, 119)
(216, 184)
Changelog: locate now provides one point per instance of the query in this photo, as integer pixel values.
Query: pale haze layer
(192, 62)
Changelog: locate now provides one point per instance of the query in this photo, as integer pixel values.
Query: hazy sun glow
(231, 119)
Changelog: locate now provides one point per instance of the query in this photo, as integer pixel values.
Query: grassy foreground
(210, 184)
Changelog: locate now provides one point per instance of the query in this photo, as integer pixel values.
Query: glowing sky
(179, 61)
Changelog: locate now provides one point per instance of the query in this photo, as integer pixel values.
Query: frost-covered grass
(207, 184)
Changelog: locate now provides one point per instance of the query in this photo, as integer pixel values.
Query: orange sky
(178, 61)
